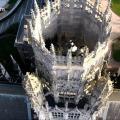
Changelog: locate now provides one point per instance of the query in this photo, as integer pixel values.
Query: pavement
(17, 16)
(115, 23)
(115, 33)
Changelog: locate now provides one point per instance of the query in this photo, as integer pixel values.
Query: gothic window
(76, 0)
(77, 115)
(70, 115)
(71, 99)
(66, 99)
(54, 115)
(74, 115)
(57, 115)
(61, 98)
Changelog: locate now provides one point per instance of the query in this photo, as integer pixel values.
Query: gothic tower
(69, 40)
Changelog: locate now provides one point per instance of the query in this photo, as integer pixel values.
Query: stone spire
(109, 2)
(69, 62)
(49, 8)
(36, 20)
(32, 14)
(33, 87)
(36, 28)
(86, 51)
(47, 106)
(59, 3)
(52, 49)
(56, 93)
(33, 17)
(69, 57)
(36, 8)
(66, 109)
(53, 53)
(66, 106)
(31, 27)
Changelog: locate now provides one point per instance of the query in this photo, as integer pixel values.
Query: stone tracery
(70, 77)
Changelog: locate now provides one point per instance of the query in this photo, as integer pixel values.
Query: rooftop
(13, 103)
(10, 89)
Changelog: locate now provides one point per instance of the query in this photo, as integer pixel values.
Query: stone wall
(75, 20)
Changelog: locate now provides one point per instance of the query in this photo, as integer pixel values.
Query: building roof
(13, 103)
(11, 89)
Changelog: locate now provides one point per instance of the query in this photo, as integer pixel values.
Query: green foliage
(116, 6)
(11, 4)
(116, 50)
(12, 1)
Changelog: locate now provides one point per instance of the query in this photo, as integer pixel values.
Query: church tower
(69, 40)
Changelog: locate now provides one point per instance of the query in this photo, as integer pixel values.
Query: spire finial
(66, 105)
(52, 49)
(69, 57)
(36, 8)
(53, 52)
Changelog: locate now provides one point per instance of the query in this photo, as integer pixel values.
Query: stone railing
(63, 60)
(72, 115)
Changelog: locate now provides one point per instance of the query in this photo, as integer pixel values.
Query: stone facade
(71, 78)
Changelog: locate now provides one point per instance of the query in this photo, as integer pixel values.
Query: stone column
(69, 58)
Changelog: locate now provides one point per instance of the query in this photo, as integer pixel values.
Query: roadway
(17, 15)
